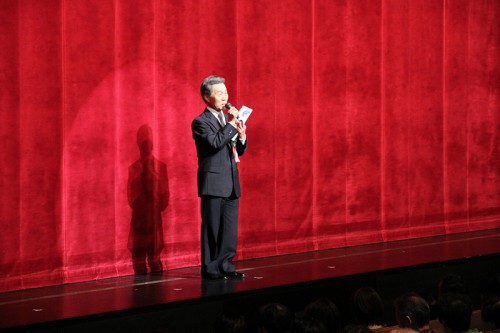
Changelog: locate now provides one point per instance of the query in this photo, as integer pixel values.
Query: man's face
(218, 98)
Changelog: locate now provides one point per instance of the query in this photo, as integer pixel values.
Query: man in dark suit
(219, 140)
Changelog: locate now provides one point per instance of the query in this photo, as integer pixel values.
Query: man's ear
(408, 321)
(205, 98)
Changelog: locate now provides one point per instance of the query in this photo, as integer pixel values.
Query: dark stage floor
(179, 301)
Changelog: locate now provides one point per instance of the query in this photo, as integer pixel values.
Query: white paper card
(244, 113)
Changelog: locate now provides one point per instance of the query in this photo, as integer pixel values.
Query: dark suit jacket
(217, 170)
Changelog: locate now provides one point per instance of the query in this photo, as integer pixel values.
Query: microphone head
(228, 106)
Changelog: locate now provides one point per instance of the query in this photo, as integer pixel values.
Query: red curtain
(375, 120)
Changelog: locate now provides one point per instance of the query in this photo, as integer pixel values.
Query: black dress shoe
(235, 275)
(213, 276)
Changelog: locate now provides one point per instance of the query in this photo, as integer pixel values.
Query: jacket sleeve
(211, 139)
(240, 147)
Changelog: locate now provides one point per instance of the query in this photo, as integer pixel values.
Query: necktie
(221, 118)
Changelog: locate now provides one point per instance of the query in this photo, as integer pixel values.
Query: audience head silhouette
(412, 312)
(455, 312)
(367, 307)
(273, 318)
(229, 322)
(326, 312)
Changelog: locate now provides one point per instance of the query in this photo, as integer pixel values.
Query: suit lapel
(211, 119)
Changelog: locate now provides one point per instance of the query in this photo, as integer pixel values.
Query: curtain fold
(373, 121)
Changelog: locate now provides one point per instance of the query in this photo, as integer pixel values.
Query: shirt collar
(214, 112)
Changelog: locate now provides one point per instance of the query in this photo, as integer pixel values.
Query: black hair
(274, 317)
(415, 307)
(455, 311)
(367, 307)
(326, 312)
(208, 82)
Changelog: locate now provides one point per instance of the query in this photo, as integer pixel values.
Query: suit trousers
(219, 233)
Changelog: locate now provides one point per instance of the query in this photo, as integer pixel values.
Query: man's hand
(242, 128)
(232, 114)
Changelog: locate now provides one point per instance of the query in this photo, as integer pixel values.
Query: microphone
(229, 106)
